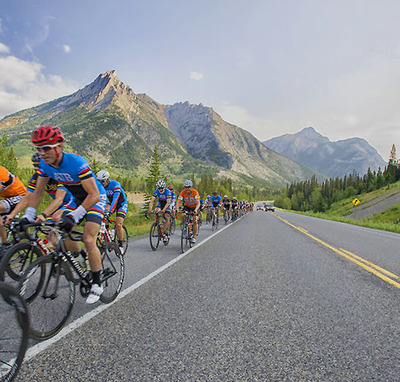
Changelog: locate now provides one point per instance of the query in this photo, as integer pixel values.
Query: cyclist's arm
(93, 194)
(58, 199)
(117, 193)
(153, 198)
(37, 195)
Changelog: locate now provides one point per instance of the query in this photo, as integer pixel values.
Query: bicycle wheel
(112, 272)
(124, 246)
(17, 259)
(154, 237)
(50, 281)
(13, 340)
(172, 226)
(185, 240)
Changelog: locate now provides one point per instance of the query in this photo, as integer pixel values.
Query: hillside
(107, 121)
(333, 159)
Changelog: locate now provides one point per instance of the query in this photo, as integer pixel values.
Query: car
(259, 208)
(270, 207)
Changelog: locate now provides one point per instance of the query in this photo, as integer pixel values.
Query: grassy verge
(388, 220)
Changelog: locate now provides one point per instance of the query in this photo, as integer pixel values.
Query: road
(273, 297)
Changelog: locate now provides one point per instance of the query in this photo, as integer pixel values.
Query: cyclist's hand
(22, 223)
(67, 223)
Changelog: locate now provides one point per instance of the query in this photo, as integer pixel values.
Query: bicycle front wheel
(50, 281)
(17, 259)
(13, 340)
(124, 245)
(154, 236)
(185, 240)
(172, 226)
(112, 272)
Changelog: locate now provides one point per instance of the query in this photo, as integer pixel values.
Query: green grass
(388, 220)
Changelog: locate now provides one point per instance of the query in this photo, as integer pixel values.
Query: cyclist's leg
(195, 226)
(167, 216)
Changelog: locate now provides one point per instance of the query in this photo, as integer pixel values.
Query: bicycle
(187, 231)
(50, 283)
(209, 215)
(157, 231)
(214, 220)
(13, 341)
(110, 234)
(19, 256)
(172, 225)
(226, 215)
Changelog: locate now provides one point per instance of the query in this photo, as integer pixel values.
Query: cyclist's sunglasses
(47, 147)
(36, 165)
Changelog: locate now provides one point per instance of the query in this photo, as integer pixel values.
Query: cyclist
(226, 204)
(216, 202)
(117, 202)
(234, 207)
(12, 191)
(173, 200)
(190, 199)
(62, 198)
(90, 196)
(164, 205)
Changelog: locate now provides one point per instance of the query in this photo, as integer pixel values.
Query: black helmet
(35, 158)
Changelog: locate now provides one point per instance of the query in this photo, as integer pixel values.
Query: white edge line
(41, 346)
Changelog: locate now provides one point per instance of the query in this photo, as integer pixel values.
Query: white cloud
(197, 76)
(67, 48)
(4, 48)
(23, 85)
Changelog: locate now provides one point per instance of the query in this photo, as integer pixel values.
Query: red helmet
(47, 135)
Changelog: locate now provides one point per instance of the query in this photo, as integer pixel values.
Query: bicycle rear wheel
(125, 239)
(172, 226)
(112, 272)
(50, 281)
(154, 236)
(14, 340)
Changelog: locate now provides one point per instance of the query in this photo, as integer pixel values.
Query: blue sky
(269, 66)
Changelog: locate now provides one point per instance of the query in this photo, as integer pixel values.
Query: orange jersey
(189, 200)
(10, 185)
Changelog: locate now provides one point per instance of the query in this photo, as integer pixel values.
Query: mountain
(107, 121)
(333, 159)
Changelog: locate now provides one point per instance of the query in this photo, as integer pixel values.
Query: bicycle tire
(185, 241)
(125, 240)
(14, 341)
(172, 226)
(112, 272)
(154, 237)
(54, 295)
(17, 259)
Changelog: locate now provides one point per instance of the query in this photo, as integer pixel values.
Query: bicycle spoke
(113, 272)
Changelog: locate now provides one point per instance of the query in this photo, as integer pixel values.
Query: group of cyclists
(78, 195)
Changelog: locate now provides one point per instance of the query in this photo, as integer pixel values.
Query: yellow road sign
(356, 202)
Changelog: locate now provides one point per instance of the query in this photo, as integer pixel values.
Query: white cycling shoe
(94, 295)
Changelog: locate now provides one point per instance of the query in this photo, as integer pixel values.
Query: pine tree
(392, 156)
(7, 156)
(152, 178)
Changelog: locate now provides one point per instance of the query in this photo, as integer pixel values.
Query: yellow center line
(365, 264)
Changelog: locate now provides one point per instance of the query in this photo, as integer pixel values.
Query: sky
(272, 67)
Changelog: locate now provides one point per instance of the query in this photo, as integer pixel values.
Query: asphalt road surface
(273, 297)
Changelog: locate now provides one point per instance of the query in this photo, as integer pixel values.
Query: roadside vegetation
(333, 198)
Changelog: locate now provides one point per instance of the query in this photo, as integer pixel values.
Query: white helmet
(103, 175)
(225, 196)
(188, 183)
(160, 184)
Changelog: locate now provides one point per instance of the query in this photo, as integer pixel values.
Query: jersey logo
(63, 177)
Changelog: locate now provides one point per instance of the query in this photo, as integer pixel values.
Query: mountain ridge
(108, 121)
(333, 159)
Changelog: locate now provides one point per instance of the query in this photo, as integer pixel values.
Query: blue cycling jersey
(71, 171)
(215, 199)
(115, 194)
(51, 188)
